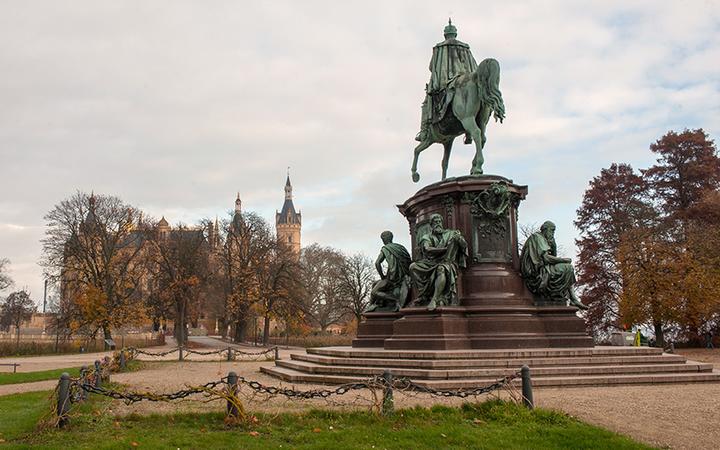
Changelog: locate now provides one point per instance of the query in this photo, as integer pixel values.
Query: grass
(33, 348)
(493, 424)
(29, 377)
(53, 374)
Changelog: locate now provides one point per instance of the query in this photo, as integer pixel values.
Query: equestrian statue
(459, 99)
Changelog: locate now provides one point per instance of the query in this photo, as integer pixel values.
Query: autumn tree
(687, 171)
(180, 269)
(17, 308)
(687, 168)
(5, 280)
(94, 251)
(615, 203)
(653, 271)
(321, 269)
(280, 290)
(247, 239)
(356, 277)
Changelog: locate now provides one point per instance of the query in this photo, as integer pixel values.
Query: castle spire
(288, 187)
(238, 204)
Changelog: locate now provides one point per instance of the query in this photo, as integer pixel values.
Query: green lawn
(29, 377)
(492, 424)
(54, 374)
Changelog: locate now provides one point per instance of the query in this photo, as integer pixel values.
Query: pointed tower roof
(163, 222)
(288, 213)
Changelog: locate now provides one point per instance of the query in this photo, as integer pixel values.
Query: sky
(176, 106)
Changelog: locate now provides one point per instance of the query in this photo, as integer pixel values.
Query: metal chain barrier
(231, 354)
(73, 390)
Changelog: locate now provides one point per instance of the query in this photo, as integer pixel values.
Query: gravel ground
(675, 416)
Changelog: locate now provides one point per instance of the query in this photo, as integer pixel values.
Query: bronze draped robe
(424, 272)
(549, 281)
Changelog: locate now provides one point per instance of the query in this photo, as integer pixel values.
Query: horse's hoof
(416, 177)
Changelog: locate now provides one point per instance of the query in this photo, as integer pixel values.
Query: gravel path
(675, 416)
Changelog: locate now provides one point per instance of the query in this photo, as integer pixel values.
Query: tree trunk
(107, 334)
(659, 335)
(240, 327)
(180, 330)
(266, 330)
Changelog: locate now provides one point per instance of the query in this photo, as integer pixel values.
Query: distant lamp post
(45, 300)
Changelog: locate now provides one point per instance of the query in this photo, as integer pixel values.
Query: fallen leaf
(316, 430)
(134, 444)
(331, 427)
(203, 430)
(443, 435)
(254, 433)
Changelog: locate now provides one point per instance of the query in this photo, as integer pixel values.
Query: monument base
(495, 310)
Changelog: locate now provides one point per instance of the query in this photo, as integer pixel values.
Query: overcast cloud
(175, 106)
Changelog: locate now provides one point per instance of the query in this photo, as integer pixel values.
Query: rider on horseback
(450, 58)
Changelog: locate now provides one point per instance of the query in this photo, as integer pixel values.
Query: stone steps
(359, 371)
(489, 363)
(294, 376)
(453, 369)
(349, 352)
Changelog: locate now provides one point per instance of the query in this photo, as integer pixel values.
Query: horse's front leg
(421, 146)
(446, 157)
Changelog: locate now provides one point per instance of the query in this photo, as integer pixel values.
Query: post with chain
(388, 404)
(180, 353)
(98, 374)
(232, 385)
(84, 371)
(277, 353)
(123, 360)
(229, 353)
(527, 387)
(63, 399)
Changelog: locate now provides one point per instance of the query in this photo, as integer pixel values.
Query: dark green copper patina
(547, 276)
(391, 292)
(460, 98)
(442, 253)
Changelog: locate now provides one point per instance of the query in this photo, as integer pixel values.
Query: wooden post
(527, 387)
(277, 353)
(229, 353)
(123, 362)
(63, 399)
(388, 404)
(180, 354)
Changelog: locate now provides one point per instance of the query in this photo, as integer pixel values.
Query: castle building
(288, 222)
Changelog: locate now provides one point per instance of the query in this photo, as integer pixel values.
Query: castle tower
(288, 222)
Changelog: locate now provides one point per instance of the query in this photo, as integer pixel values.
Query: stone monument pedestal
(494, 308)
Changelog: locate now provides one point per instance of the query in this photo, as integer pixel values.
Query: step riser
(538, 382)
(486, 354)
(464, 364)
(495, 373)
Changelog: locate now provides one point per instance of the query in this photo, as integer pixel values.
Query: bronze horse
(472, 98)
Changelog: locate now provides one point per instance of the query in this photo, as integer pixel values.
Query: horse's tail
(488, 77)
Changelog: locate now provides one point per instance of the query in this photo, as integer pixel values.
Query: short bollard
(527, 387)
(63, 399)
(388, 404)
(232, 407)
(277, 354)
(98, 374)
(83, 380)
(230, 354)
(123, 361)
